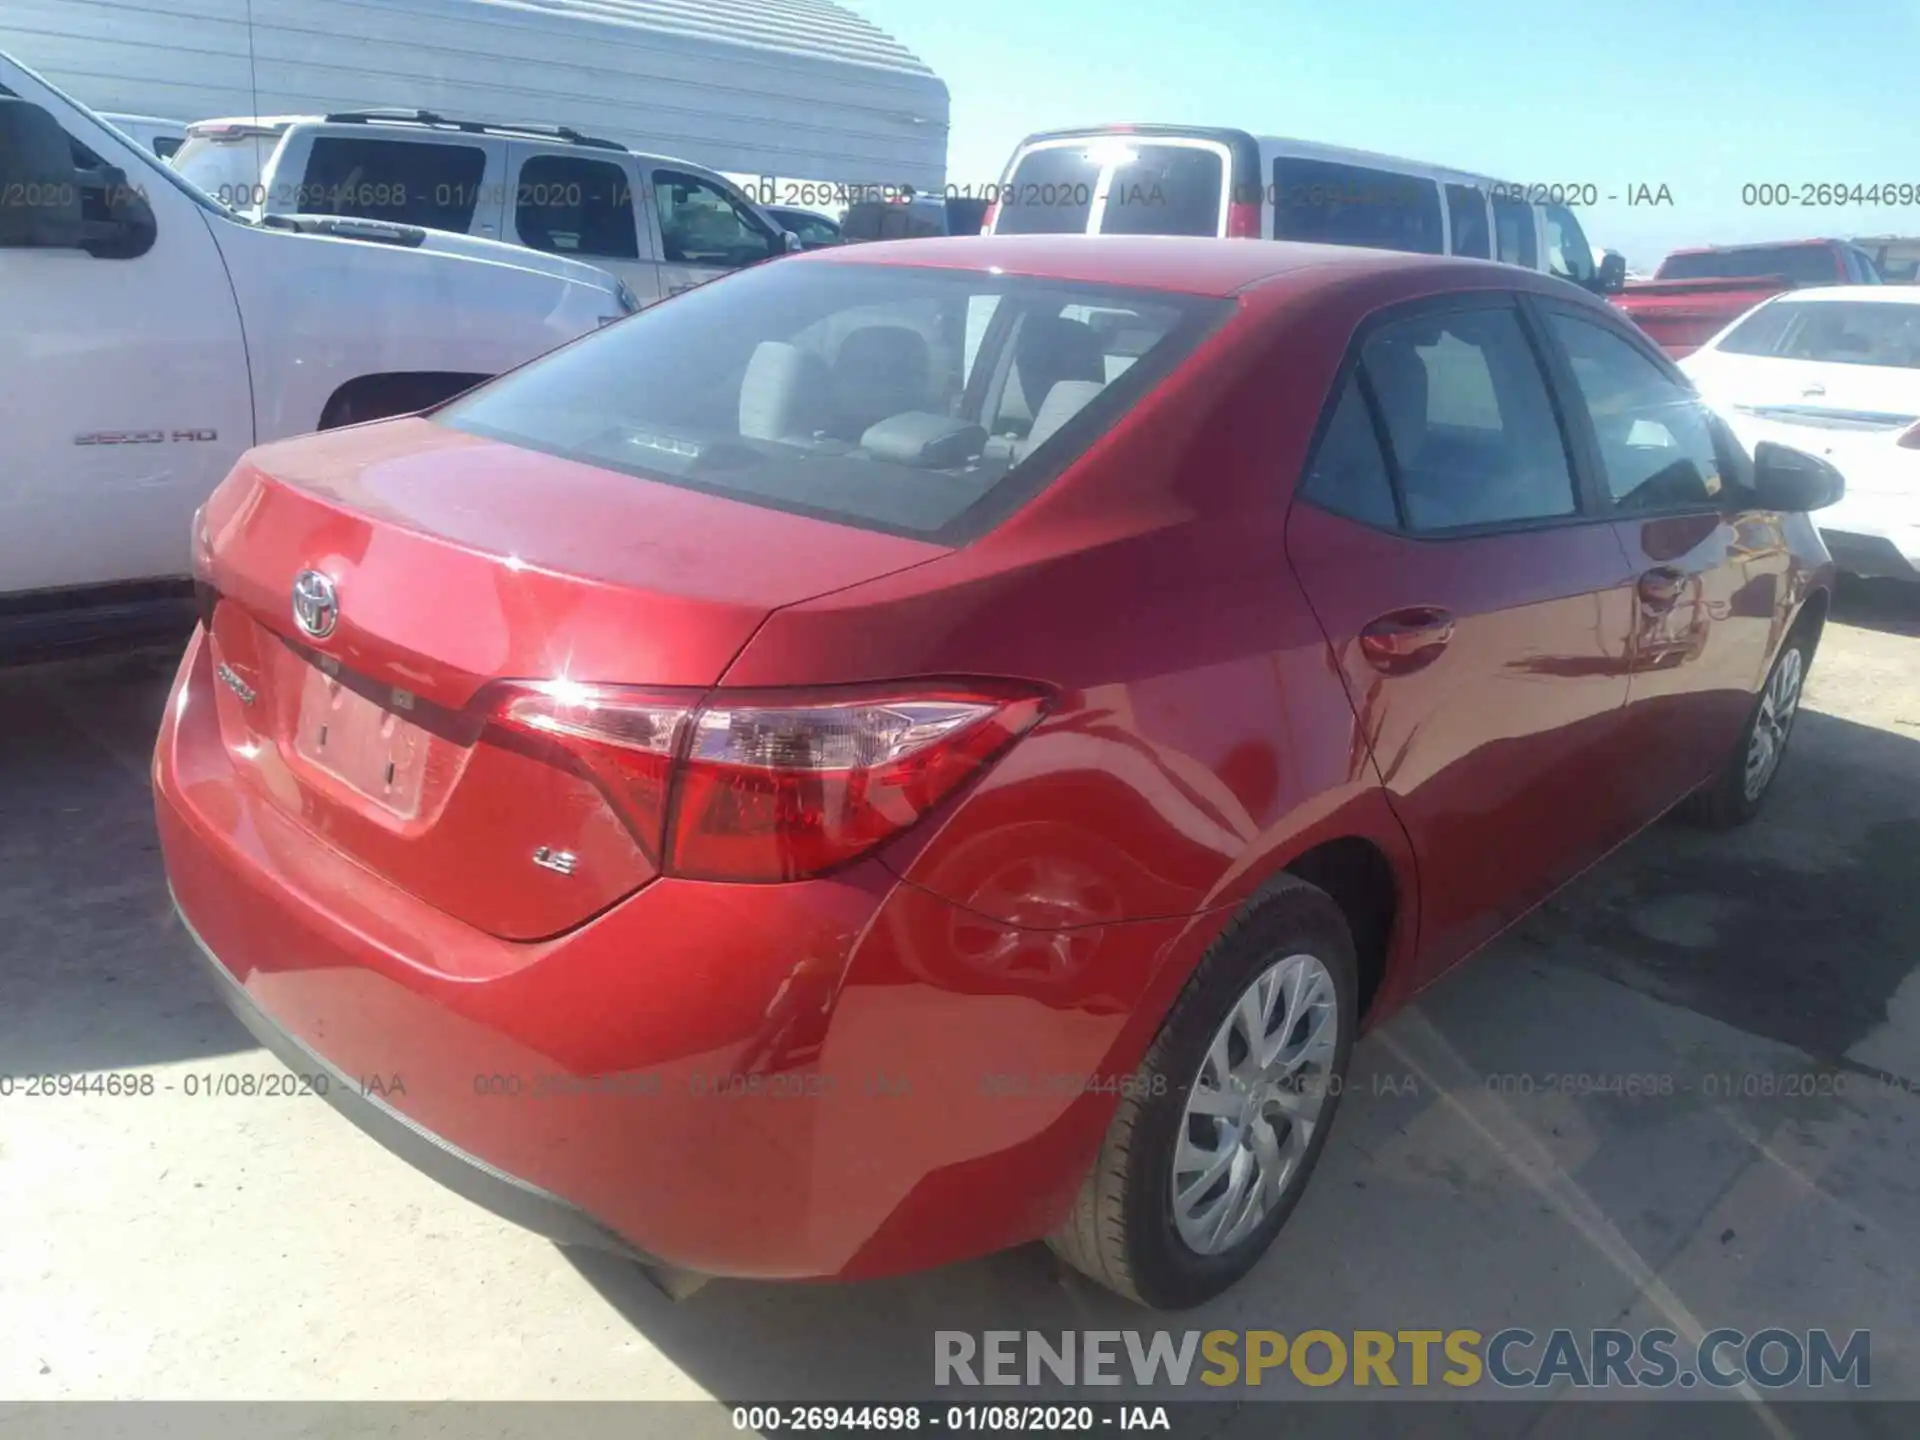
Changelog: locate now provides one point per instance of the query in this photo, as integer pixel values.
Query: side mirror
(1611, 278)
(1792, 480)
(129, 229)
(792, 241)
(39, 188)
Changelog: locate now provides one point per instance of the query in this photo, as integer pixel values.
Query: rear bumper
(527, 1206)
(832, 1078)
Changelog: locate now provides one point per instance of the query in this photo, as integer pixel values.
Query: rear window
(1050, 192)
(1166, 190)
(412, 182)
(914, 401)
(1802, 264)
(1336, 204)
(228, 170)
(1844, 332)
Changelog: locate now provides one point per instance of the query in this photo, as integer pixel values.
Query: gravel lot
(167, 1247)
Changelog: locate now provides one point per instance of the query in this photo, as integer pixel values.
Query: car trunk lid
(454, 562)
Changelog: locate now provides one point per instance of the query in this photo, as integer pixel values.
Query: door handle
(1402, 641)
(1660, 589)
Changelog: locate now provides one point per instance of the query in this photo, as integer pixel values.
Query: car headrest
(881, 370)
(1052, 348)
(785, 393)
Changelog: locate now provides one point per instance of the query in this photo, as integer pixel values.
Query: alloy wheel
(1779, 703)
(1253, 1107)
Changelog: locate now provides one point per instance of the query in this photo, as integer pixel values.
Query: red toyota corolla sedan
(922, 747)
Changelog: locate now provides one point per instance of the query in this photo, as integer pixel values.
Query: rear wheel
(1229, 1111)
(1736, 795)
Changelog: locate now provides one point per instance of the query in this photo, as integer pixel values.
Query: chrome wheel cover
(1255, 1104)
(1779, 703)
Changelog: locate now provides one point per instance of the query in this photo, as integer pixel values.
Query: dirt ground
(200, 1249)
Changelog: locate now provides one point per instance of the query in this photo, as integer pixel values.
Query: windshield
(1802, 264)
(918, 402)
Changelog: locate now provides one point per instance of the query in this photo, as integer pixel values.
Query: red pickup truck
(1697, 293)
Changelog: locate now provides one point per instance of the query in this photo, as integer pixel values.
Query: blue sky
(1703, 96)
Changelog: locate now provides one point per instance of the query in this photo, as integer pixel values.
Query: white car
(1834, 372)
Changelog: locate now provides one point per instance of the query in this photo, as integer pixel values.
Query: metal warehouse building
(800, 89)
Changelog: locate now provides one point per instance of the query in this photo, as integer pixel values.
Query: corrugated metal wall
(795, 88)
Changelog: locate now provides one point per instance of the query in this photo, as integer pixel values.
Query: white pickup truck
(150, 335)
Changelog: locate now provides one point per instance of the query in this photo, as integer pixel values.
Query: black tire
(1727, 802)
(1122, 1232)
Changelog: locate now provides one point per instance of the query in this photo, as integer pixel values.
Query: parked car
(810, 227)
(163, 137)
(1695, 293)
(930, 745)
(660, 225)
(154, 335)
(1192, 180)
(1834, 372)
(913, 216)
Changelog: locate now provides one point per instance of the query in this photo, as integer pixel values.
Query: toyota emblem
(316, 609)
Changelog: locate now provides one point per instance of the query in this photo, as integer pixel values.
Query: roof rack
(471, 127)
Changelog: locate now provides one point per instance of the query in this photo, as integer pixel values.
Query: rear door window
(1166, 190)
(1050, 191)
(569, 205)
(1514, 242)
(411, 182)
(1467, 217)
(1470, 430)
(1335, 204)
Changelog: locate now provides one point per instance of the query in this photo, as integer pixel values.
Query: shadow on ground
(1890, 606)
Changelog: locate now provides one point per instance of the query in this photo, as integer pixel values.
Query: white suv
(659, 224)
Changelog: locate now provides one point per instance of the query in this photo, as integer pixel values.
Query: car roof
(1194, 265)
(377, 122)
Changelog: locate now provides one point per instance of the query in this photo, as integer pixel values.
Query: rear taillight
(1243, 220)
(769, 786)
(992, 214)
(205, 596)
(1909, 438)
(624, 739)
